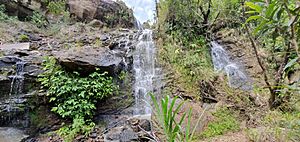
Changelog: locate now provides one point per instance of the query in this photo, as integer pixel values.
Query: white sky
(143, 9)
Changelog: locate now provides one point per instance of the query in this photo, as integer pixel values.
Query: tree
(274, 19)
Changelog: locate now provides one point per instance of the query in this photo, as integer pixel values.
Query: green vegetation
(74, 97)
(3, 16)
(276, 25)
(190, 63)
(223, 122)
(24, 38)
(57, 7)
(279, 126)
(272, 27)
(166, 113)
(39, 19)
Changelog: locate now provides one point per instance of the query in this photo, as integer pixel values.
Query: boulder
(87, 59)
(22, 8)
(112, 13)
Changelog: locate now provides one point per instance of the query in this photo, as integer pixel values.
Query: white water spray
(237, 78)
(144, 72)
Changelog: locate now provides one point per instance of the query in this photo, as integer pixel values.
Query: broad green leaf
(253, 6)
(291, 63)
(253, 18)
(270, 10)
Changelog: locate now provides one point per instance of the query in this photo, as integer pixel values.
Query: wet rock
(8, 60)
(121, 134)
(14, 110)
(110, 12)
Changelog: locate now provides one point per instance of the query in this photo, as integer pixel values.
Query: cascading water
(15, 114)
(236, 76)
(144, 72)
(18, 79)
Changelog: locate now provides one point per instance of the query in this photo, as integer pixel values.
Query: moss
(224, 122)
(23, 38)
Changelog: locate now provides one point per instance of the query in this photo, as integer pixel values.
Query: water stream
(11, 135)
(237, 77)
(12, 108)
(17, 82)
(144, 72)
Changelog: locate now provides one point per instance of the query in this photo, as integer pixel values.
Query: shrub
(38, 19)
(3, 16)
(56, 7)
(74, 97)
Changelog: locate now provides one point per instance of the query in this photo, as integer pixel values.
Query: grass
(190, 63)
(223, 122)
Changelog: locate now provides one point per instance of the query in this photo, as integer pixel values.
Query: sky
(143, 9)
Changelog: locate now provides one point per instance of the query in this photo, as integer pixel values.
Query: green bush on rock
(38, 19)
(74, 97)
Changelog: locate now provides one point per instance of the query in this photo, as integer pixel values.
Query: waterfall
(17, 82)
(144, 72)
(237, 78)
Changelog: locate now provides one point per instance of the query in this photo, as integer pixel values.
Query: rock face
(15, 82)
(112, 55)
(107, 11)
(22, 8)
(87, 59)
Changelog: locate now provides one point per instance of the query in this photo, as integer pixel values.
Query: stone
(23, 8)
(145, 124)
(121, 134)
(93, 135)
(95, 23)
(87, 59)
(107, 11)
(18, 46)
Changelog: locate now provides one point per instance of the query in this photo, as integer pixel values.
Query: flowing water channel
(17, 80)
(144, 72)
(237, 77)
(9, 134)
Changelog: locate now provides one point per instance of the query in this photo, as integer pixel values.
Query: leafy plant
(74, 97)
(3, 16)
(166, 113)
(38, 19)
(79, 125)
(274, 20)
(56, 7)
